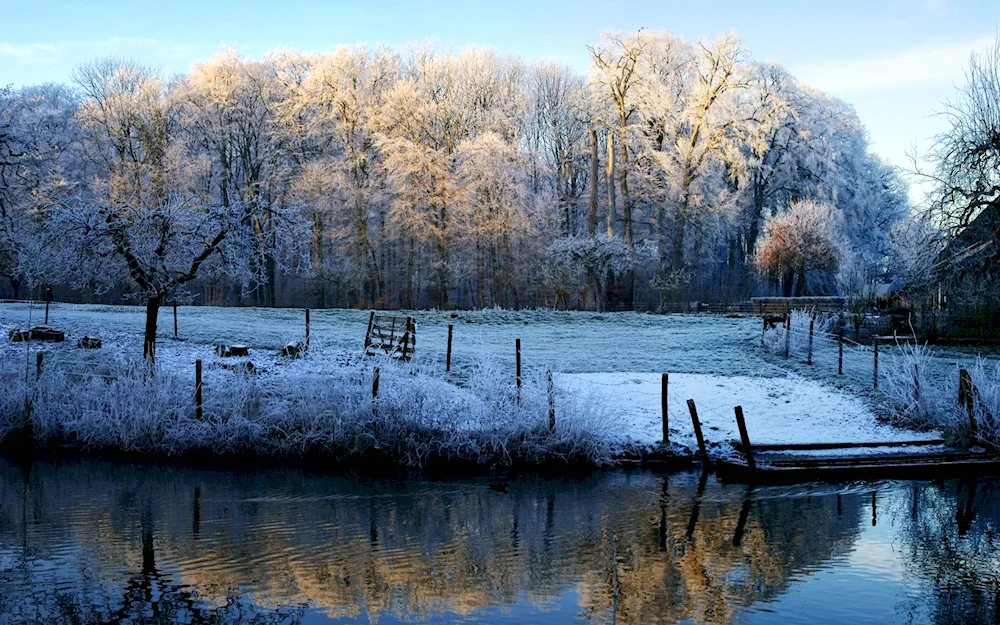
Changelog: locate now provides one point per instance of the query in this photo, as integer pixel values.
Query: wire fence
(915, 383)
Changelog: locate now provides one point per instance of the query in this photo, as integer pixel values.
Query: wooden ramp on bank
(850, 461)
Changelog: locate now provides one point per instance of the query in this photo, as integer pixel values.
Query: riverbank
(321, 406)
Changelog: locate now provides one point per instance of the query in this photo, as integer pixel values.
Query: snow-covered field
(607, 370)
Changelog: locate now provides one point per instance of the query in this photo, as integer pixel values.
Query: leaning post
(702, 450)
(745, 439)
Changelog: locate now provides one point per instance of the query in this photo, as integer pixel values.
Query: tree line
(368, 177)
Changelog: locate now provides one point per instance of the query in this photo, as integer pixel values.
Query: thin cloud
(55, 52)
(940, 63)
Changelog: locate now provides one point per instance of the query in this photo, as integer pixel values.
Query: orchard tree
(138, 221)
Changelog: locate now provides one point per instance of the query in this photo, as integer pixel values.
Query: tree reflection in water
(89, 542)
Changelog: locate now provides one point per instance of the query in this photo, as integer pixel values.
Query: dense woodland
(368, 177)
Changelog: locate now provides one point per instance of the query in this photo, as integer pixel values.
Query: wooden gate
(394, 336)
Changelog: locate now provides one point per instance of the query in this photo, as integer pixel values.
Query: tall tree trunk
(623, 183)
(149, 335)
(592, 201)
(610, 175)
(802, 289)
(787, 281)
(318, 257)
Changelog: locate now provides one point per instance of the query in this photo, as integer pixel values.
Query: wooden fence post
(875, 363)
(447, 362)
(812, 322)
(517, 367)
(745, 439)
(965, 400)
(788, 333)
(375, 380)
(175, 318)
(916, 385)
(552, 401)
(840, 350)
(307, 329)
(664, 388)
(48, 300)
(38, 365)
(368, 332)
(406, 337)
(702, 450)
(198, 407)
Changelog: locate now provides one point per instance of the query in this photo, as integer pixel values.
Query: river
(89, 541)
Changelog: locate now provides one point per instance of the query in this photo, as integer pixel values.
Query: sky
(897, 62)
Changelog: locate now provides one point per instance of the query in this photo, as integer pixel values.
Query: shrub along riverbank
(415, 420)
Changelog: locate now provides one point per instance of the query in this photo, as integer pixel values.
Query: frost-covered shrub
(824, 326)
(986, 379)
(918, 399)
(322, 410)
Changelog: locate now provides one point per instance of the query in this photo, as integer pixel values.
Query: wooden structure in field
(391, 335)
(782, 305)
(787, 464)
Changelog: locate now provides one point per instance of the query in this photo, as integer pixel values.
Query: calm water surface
(93, 542)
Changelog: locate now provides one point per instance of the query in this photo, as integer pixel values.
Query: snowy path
(777, 410)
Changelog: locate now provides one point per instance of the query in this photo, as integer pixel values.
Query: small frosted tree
(139, 221)
(800, 240)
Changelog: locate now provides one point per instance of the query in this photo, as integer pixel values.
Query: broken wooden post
(788, 332)
(175, 318)
(517, 366)
(812, 322)
(368, 332)
(965, 400)
(406, 338)
(375, 380)
(48, 300)
(745, 439)
(38, 365)
(664, 387)
(307, 329)
(552, 401)
(916, 385)
(702, 450)
(198, 408)
(840, 351)
(875, 363)
(447, 361)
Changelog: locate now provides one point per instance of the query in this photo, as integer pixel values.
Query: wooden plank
(853, 445)
(729, 470)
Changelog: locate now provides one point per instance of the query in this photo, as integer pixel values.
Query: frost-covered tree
(797, 242)
(139, 221)
(965, 200)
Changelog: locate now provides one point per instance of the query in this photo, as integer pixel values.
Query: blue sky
(895, 61)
